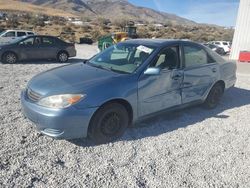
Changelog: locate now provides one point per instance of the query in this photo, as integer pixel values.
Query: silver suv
(9, 35)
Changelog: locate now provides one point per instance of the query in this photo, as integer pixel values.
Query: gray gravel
(188, 148)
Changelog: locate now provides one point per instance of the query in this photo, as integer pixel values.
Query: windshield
(122, 58)
(2, 32)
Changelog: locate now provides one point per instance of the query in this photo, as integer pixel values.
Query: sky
(219, 12)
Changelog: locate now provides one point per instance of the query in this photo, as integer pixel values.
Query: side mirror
(152, 71)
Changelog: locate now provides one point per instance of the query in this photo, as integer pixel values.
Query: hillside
(112, 9)
(92, 20)
(12, 5)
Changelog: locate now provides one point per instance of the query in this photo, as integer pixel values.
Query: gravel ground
(188, 148)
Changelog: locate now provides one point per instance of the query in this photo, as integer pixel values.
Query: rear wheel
(214, 96)
(10, 58)
(109, 123)
(62, 57)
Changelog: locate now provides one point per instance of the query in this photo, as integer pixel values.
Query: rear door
(26, 48)
(200, 73)
(159, 92)
(48, 48)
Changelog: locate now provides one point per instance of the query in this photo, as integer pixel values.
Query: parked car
(215, 48)
(85, 40)
(223, 44)
(125, 83)
(37, 47)
(10, 35)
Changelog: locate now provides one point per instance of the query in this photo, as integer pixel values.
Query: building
(241, 40)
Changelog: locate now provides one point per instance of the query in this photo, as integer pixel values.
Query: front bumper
(68, 123)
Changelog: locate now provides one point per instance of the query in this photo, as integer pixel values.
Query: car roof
(42, 36)
(159, 42)
(19, 30)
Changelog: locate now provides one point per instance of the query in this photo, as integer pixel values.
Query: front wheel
(62, 57)
(10, 58)
(214, 96)
(108, 123)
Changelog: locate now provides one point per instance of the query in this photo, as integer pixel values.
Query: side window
(139, 57)
(20, 34)
(38, 41)
(167, 59)
(10, 34)
(195, 56)
(30, 33)
(48, 41)
(29, 41)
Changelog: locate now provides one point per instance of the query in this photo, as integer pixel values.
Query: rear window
(20, 34)
(225, 43)
(48, 41)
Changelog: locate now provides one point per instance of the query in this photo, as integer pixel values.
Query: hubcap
(111, 124)
(63, 57)
(11, 58)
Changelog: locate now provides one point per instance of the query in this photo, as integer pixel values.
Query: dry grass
(11, 5)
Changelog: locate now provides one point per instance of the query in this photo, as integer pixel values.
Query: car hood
(72, 78)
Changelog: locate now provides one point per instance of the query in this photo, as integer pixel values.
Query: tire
(62, 57)
(220, 51)
(10, 58)
(108, 123)
(214, 96)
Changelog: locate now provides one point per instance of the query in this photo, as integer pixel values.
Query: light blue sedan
(125, 83)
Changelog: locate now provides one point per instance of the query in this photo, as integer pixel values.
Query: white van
(9, 35)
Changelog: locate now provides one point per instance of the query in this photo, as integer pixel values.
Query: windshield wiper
(97, 66)
(118, 71)
(104, 67)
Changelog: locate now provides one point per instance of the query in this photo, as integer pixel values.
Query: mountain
(111, 9)
(12, 5)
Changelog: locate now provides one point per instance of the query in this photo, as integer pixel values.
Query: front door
(200, 73)
(158, 92)
(48, 48)
(26, 48)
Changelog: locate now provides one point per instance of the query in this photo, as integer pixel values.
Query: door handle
(176, 77)
(214, 70)
(187, 84)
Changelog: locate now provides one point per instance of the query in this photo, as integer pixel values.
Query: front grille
(33, 96)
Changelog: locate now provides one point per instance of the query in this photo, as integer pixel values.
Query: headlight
(61, 101)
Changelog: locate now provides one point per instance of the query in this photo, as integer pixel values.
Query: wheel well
(9, 52)
(222, 83)
(124, 103)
